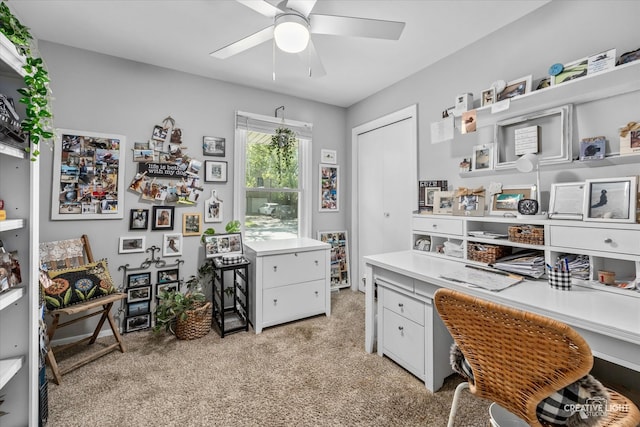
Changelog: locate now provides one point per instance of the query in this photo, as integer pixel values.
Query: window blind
(266, 124)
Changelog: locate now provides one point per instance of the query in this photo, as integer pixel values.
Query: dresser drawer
(295, 267)
(596, 239)
(403, 305)
(438, 225)
(291, 302)
(404, 342)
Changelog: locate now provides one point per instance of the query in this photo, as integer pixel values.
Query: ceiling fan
(293, 24)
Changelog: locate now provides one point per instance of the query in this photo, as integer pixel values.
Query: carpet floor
(312, 372)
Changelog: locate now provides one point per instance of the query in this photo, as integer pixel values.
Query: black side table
(234, 318)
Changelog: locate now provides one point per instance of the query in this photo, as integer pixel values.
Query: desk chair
(75, 253)
(519, 358)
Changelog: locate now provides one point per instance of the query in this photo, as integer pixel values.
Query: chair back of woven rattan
(518, 358)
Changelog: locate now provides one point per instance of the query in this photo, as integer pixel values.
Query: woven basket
(196, 325)
(486, 253)
(529, 234)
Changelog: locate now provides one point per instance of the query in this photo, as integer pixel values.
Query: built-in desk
(609, 322)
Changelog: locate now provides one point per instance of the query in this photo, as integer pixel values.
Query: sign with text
(163, 170)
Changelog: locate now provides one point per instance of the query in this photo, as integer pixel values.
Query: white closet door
(386, 183)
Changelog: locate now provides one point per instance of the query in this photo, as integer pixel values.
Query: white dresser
(290, 279)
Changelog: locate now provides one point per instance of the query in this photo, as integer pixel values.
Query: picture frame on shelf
(426, 190)
(214, 146)
(215, 171)
(172, 244)
(571, 71)
(468, 202)
(191, 224)
(488, 97)
(482, 157)
(138, 279)
(630, 139)
(443, 202)
(131, 244)
(339, 242)
(138, 219)
(163, 217)
(168, 276)
(506, 202)
(593, 148)
(139, 293)
(88, 175)
(138, 323)
(566, 200)
(611, 199)
(217, 245)
(515, 88)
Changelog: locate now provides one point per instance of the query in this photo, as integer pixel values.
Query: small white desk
(609, 322)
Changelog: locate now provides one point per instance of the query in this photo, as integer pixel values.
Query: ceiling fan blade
(311, 58)
(356, 27)
(302, 6)
(262, 7)
(243, 44)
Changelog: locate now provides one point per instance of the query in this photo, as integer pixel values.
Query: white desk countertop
(595, 314)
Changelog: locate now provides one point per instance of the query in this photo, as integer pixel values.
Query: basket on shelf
(486, 253)
(529, 234)
(197, 324)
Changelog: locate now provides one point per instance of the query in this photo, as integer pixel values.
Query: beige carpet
(312, 372)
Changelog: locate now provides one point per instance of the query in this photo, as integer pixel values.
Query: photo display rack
(141, 291)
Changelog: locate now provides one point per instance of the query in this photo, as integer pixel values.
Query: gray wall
(560, 31)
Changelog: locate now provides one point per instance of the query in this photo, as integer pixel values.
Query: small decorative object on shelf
(630, 139)
(529, 234)
(626, 57)
(465, 165)
(593, 148)
(426, 189)
(486, 253)
(464, 102)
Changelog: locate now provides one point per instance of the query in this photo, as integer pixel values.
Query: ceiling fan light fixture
(291, 32)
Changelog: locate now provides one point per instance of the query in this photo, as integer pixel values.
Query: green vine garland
(36, 95)
(283, 146)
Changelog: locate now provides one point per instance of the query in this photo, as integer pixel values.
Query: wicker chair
(520, 358)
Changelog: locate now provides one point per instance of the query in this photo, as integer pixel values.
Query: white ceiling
(180, 35)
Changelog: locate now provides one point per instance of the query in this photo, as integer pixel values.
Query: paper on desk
(484, 279)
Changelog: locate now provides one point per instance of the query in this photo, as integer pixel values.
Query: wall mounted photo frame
(137, 323)
(139, 293)
(566, 200)
(329, 186)
(213, 208)
(162, 218)
(443, 202)
(611, 199)
(516, 87)
(215, 171)
(138, 279)
(339, 242)
(167, 287)
(171, 275)
(506, 203)
(482, 157)
(88, 175)
(214, 146)
(131, 244)
(138, 308)
(172, 244)
(138, 219)
(191, 224)
(217, 245)
(328, 156)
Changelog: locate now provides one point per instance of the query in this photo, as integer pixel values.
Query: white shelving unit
(19, 180)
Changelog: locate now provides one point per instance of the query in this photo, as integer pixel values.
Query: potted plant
(186, 315)
(283, 145)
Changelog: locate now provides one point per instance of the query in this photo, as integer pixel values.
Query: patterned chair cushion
(577, 405)
(74, 285)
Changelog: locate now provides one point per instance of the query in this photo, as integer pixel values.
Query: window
(271, 197)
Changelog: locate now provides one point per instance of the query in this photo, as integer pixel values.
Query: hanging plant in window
(283, 146)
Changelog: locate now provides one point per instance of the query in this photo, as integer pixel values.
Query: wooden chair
(73, 253)
(520, 358)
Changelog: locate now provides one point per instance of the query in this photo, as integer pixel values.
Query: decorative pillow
(70, 286)
(580, 404)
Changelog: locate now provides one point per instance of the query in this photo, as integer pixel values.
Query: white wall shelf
(12, 224)
(8, 369)
(10, 296)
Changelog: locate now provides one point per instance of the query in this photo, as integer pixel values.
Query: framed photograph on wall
(338, 240)
(137, 323)
(214, 146)
(162, 218)
(328, 156)
(506, 203)
(88, 175)
(138, 308)
(139, 293)
(329, 181)
(611, 199)
(172, 244)
(168, 276)
(131, 244)
(138, 219)
(215, 171)
(516, 87)
(138, 279)
(213, 208)
(167, 287)
(191, 224)
(566, 200)
(443, 202)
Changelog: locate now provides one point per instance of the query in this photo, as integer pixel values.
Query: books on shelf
(526, 263)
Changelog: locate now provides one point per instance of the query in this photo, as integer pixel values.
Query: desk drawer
(404, 342)
(438, 225)
(403, 305)
(295, 267)
(292, 302)
(596, 239)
